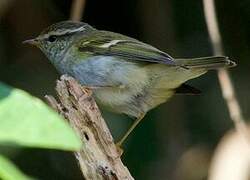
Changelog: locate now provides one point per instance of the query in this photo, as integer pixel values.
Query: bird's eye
(52, 38)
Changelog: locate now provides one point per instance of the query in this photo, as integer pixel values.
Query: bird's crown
(65, 28)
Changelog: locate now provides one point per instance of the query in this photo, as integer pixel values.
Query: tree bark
(99, 158)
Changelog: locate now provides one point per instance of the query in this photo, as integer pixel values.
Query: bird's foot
(119, 149)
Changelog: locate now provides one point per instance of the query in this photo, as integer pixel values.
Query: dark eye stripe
(52, 38)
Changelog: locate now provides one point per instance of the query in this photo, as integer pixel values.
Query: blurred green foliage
(27, 121)
(8, 171)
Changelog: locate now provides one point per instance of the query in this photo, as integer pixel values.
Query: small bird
(126, 75)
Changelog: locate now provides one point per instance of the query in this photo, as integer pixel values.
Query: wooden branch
(99, 158)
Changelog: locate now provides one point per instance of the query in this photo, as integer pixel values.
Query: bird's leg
(119, 143)
(120, 86)
(92, 87)
(96, 87)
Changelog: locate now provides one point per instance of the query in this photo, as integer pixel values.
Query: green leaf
(8, 171)
(27, 121)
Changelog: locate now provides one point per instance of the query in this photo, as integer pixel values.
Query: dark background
(173, 138)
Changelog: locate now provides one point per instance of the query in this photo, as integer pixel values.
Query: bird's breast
(118, 80)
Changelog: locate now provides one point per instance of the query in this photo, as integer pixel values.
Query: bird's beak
(31, 41)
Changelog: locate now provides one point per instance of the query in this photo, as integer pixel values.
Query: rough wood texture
(99, 158)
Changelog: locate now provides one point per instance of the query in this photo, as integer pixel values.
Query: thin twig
(223, 75)
(77, 9)
(4, 5)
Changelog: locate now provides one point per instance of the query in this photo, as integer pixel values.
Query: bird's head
(57, 38)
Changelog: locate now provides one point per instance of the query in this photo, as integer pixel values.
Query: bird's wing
(113, 44)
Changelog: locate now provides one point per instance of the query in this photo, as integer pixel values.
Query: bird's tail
(207, 63)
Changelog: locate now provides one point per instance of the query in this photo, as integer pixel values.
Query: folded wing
(113, 44)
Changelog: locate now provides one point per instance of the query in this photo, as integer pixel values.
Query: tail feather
(213, 62)
(187, 89)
